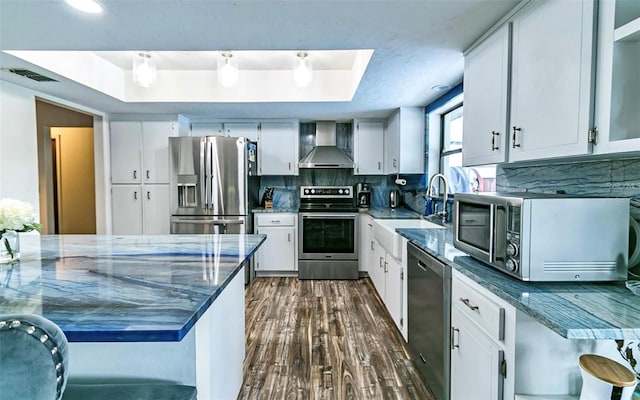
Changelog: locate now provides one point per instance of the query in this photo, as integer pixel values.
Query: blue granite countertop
(573, 310)
(392, 213)
(274, 210)
(122, 288)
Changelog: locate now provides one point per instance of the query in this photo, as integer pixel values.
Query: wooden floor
(324, 340)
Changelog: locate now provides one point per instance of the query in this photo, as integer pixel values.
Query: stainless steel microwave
(543, 237)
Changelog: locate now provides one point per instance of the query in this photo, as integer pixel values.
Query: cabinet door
(475, 362)
(126, 205)
(551, 92)
(369, 148)
(155, 150)
(366, 250)
(486, 73)
(278, 148)
(242, 129)
(156, 209)
(392, 145)
(393, 288)
(126, 155)
(377, 271)
(277, 253)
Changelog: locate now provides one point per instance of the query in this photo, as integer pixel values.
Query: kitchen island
(166, 307)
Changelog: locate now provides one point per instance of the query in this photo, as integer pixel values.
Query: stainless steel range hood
(326, 154)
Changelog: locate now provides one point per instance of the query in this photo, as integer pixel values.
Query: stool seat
(607, 370)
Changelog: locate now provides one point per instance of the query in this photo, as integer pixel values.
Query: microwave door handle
(492, 232)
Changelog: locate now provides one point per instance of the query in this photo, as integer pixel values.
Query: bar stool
(603, 378)
(34, 366)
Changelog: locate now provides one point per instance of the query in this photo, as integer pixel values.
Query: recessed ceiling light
(440, 88)
(88, 6)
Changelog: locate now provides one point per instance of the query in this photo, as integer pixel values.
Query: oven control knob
(346, 191)
(512, 265)
(512, 250)
(339, 191)
(306, 191)
(313, 191)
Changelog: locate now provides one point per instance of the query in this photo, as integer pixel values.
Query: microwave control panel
(513, 251)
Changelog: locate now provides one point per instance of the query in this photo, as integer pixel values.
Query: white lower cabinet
(140, 209)
(280, 251)
(482, 343)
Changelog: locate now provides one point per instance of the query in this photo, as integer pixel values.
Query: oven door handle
(332, 216)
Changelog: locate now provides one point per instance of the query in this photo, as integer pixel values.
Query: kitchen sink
(384, 231)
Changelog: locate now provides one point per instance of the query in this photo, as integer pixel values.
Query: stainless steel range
(328, 226)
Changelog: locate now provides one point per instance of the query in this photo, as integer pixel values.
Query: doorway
(72, 170)
(66, 169)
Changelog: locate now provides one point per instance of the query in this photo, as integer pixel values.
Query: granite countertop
(392, 213)
(602, 310)
(122, 288)
(260, 210)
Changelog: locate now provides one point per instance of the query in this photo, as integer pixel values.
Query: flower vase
(9, 247)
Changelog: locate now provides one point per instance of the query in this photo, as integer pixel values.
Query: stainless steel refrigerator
(213, 184)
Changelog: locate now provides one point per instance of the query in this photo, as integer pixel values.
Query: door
(127, 209)
(226, 176)
(207, 225)
(377, 270)
(155, 150)
(156, 209)
(328, 236)
(126, 153)
(551, 80)
(475, 362)
(278, 251)
(74, 180)
(278, 148)
(392, 145)
(486, 74)
(369, 151)
(393, 289)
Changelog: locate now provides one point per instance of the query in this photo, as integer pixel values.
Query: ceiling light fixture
(144, 69)
(88, 6)
(303, 70)
(227, 70)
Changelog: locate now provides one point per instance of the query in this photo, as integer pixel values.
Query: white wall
(18, 145)
(19, 150)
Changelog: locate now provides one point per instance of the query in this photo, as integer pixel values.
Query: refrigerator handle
(203, 179)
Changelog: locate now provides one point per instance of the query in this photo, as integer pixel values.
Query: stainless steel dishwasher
(429, 314)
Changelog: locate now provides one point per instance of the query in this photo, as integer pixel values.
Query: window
(444, 119)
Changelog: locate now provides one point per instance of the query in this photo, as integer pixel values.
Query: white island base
(209, 357)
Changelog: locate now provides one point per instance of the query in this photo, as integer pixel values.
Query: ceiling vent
(31, 75)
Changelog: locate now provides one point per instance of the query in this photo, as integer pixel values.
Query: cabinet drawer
(483, 311)
(274, 219)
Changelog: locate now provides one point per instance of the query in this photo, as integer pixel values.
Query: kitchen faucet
(442, 213)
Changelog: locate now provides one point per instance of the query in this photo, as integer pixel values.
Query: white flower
(17, 216)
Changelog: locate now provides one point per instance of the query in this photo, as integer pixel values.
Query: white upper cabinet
(551, 80)
(140, 151)
(278, 148)
(486, 78)
(618, 80)
(126, 152)
(404, 141)
(368, 151)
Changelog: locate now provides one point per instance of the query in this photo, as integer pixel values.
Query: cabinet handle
(395, 163)
(372, 248)
(493, 140)
(148, 175)
(289, 165)
(288, 236)
(454, 338)
(513, 137)
(135, 174)
(380, 263)
(468, 304)
(424, 360)
(386, 267)
(275, 221)
(135, 195)
(148, 195)
(379, 165)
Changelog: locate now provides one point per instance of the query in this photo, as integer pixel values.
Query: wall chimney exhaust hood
(326, 154)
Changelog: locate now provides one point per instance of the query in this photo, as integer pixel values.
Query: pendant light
(227, 70)
(303, 70)
(144, 69)
(88, 6)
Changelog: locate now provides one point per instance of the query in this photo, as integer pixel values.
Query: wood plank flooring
(322, 339)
